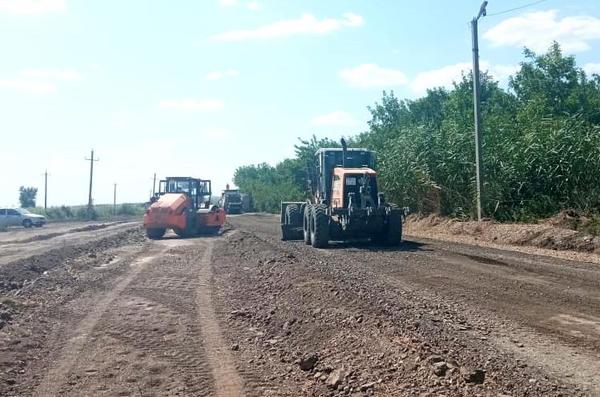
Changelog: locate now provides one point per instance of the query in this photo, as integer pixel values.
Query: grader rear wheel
(307, 219)
(319, 232)
(293, 217)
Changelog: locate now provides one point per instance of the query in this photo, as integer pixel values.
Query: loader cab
(198, 190)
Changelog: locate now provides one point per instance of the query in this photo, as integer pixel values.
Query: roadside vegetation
(541, 147)
(99, 212)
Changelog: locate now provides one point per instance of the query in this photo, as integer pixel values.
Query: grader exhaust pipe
(344, 152)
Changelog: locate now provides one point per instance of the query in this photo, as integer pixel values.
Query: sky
(200, 87)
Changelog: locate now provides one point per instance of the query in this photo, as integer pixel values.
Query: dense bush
(99, 212)
(541, 146)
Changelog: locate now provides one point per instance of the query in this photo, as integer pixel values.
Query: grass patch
(99, 212)
(592, 227)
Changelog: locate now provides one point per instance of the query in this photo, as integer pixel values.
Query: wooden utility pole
(154, 185)
(477, 110)
(45, 191)
(115, 199)
(90, 201)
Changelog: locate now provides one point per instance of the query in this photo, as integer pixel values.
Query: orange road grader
(344, 202)
(183, 204)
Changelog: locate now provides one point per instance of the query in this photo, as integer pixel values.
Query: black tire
(183, 233)
(27, 223)
(307, 220)
(319, 232)
(393, 235)
(285, 235)
(208, 230)
(155, 233)
(293, 217)
(214, 230)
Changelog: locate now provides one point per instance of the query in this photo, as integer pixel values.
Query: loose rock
(473, 375)
(308, 363)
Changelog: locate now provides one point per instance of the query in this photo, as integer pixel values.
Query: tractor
(344, 202)
(183, 204)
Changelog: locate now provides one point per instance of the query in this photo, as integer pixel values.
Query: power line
(517, 8)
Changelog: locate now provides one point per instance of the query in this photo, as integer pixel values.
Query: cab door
(3, 218)
(13, 217)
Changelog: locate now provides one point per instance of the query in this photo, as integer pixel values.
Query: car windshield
(23, 211)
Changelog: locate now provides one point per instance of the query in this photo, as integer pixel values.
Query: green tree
(551, 84)
(27, 196)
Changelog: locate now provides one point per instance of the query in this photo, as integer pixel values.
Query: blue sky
(200, 87)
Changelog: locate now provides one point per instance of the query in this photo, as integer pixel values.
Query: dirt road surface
(108, 312)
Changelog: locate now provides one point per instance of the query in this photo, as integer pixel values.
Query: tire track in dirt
(149, 342)
(14, 251)
(228, 382)
(54, 379)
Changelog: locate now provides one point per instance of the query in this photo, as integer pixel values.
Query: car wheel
(27, 223)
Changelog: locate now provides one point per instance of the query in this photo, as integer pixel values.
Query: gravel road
(112, 313)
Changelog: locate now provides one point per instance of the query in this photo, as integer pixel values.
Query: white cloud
(592, 68)
(27, 86)
(538, 30)
(337, 118)
(500, 72)
(446, 75)
(52, 74)
(306, 24)
(28, 7)
(219, 74)
(193, 104)
(442, 77)
(371, 75)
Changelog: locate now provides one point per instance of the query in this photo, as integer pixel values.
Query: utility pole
(154, 185)
(90, 202)
(477, 110)
(115, 199)
(46, 191)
